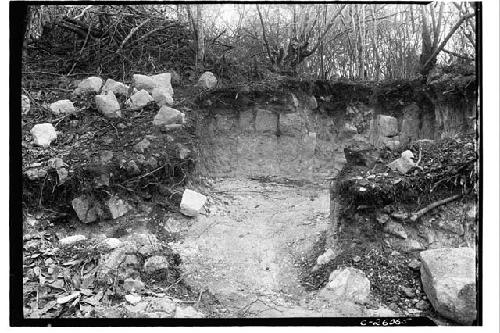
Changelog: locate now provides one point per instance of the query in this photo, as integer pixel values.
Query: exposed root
(415, 216)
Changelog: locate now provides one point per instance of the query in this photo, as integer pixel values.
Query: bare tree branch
(328, 27)
(82, 13)
(443, 44)
(415, 216)
(458, 55)
(193, 22)
(438, 27)
(435, 31)
(131, 33)
(264, 35)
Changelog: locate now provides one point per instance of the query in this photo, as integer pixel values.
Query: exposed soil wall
(299, 130)
(262, 143)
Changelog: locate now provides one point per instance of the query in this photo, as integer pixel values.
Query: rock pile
(90, 210)
(156, 88)
(148, 83)
(108, 99)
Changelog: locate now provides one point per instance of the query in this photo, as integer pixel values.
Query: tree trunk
(430, 50)
(363, 38)
(200, 53)
(374, 35)
(322, 47)
(26, 30)
(426, 46)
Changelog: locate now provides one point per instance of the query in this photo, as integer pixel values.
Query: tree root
(415, 216)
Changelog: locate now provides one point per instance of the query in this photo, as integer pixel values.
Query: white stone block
(139, 99)
(116, 87)
(108, 105)
(90, 84)
(43, 134)
(167, 116)
(64, 106)
(192, 202)
(162, 96)
(207, 80)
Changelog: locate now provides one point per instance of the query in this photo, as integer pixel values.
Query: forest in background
(251, 42)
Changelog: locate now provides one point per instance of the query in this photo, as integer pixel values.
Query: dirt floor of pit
(246, 248)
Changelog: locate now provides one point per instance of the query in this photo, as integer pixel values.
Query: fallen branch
(415, 216)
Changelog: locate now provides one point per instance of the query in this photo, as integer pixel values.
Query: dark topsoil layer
(449, 166)
(391, 96)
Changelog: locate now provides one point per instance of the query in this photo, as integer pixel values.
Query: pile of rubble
(106, 152)
(419, 214)
(101, 277)
(81, 152)
(443, 279)
(144, 90)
